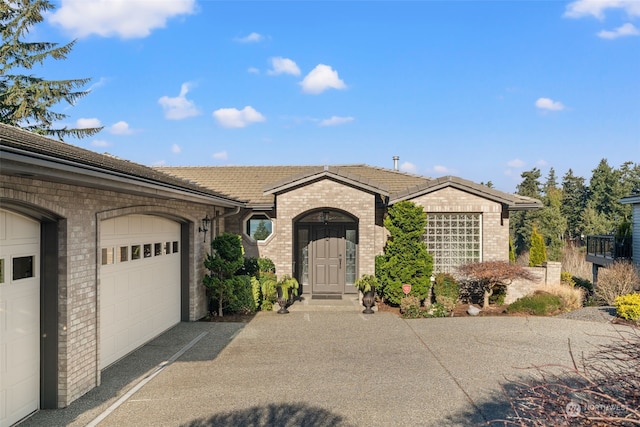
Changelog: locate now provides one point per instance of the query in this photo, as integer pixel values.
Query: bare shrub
(571, 297)
(602, 389)
(523, 259)
(620, 278)
(574, 262)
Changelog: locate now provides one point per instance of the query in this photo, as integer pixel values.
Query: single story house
(98, 255)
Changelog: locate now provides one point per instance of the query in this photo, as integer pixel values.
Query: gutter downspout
(216, 217)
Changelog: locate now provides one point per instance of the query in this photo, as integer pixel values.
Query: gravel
(591, 314)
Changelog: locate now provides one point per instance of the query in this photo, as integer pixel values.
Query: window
(157, 249)
(175, 247)
(1, 270)
(167, 247)
(147, 250)
(259, 227)
(135, 252)
(108, 256)
(453, 239)
(124, 254)
(351, 244)
(23, 267)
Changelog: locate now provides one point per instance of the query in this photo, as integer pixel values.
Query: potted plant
(367, 285)
(287, 289)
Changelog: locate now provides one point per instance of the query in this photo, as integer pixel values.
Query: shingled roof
(19, 145)
(259, 184)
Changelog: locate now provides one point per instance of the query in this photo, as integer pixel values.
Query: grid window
(453, 239)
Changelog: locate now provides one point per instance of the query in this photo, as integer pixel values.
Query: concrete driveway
(327, 368)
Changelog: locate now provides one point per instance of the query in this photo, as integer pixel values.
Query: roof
(258, 184)
(21, 149)
(631, 200)
(513, 201)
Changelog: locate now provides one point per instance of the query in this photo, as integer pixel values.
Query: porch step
(346, 303)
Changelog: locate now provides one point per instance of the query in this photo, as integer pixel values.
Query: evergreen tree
(605, 190)
(551, 182)
(537, 249)
(224, 261)
(521, 222)
(553, 224)
(25, 100)
(574, 203)
(405, 259)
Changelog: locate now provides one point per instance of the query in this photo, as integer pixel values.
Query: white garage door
(19, 317)
(139, 282)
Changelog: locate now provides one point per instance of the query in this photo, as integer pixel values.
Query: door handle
(340, 261)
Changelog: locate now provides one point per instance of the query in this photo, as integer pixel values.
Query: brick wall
(322, 194)
(80, 210)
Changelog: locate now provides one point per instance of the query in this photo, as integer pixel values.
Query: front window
(259, 227)
(453, 239)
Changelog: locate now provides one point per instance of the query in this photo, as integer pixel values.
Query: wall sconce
(205, 223)
(324, 216)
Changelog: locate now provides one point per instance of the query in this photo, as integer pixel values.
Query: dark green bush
(249, 268)
(446, 290)
(498, 296)
(265, 265)
(241, 300)
(537, 304)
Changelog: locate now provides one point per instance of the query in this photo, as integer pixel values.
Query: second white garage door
(139, 282)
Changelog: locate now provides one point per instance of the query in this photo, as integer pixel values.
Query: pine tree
(26, 101)
(405, 259)
(521, 222)
(553, 224)
(574, 203)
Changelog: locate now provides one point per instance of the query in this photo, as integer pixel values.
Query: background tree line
(574, 208)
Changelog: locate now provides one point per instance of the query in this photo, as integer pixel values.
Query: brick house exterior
(325, 227)
(70, 192)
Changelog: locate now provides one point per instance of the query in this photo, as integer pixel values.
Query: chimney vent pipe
(395, 162)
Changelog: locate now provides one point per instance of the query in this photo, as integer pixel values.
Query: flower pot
(283, 303)
(369, 300)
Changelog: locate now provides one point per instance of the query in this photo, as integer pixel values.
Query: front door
(328, 259)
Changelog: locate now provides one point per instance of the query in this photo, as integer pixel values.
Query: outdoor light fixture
(206, 222)
(324, 216)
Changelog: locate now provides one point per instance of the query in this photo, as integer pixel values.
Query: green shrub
(406, 260)
(588, 290)
(537, 249)
(445, 286)
(249, 268)
(255, 291)
(268, 282)
(498, 296)
(265, 265)
(410, 307)
(536, 304)
(241, 300)
(435, 310)
(628, 306)
(567, 278)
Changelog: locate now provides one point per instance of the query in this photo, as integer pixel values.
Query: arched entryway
(326, 252)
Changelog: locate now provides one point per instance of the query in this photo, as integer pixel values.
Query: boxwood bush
(536, 304)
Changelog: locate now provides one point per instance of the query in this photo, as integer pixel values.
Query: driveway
(327, 368)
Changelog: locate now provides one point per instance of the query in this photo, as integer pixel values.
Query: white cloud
(121, 128)
(320, 79)
(88, 123)
(549, 104)
(253, 70)
(179, 107)
(542, 162)
(441, 169)
(175, 148)
(335, 121)
(123, 18)
(234, 118)
(283, 66)
(220, 155)
(408, 167)
(627, 29)
(101, 82)
(596, 8)
(250, 38)
(515, 163)
(100, 143)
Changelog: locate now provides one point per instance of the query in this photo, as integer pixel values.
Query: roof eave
(279, 188)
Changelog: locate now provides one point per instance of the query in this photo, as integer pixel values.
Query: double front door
(329, 260)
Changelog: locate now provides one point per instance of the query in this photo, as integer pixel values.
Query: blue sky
(483, 90)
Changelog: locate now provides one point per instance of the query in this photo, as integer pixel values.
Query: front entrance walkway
(328, 368)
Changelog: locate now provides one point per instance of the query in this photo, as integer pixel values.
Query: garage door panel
(145, 292)
(19, 317)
